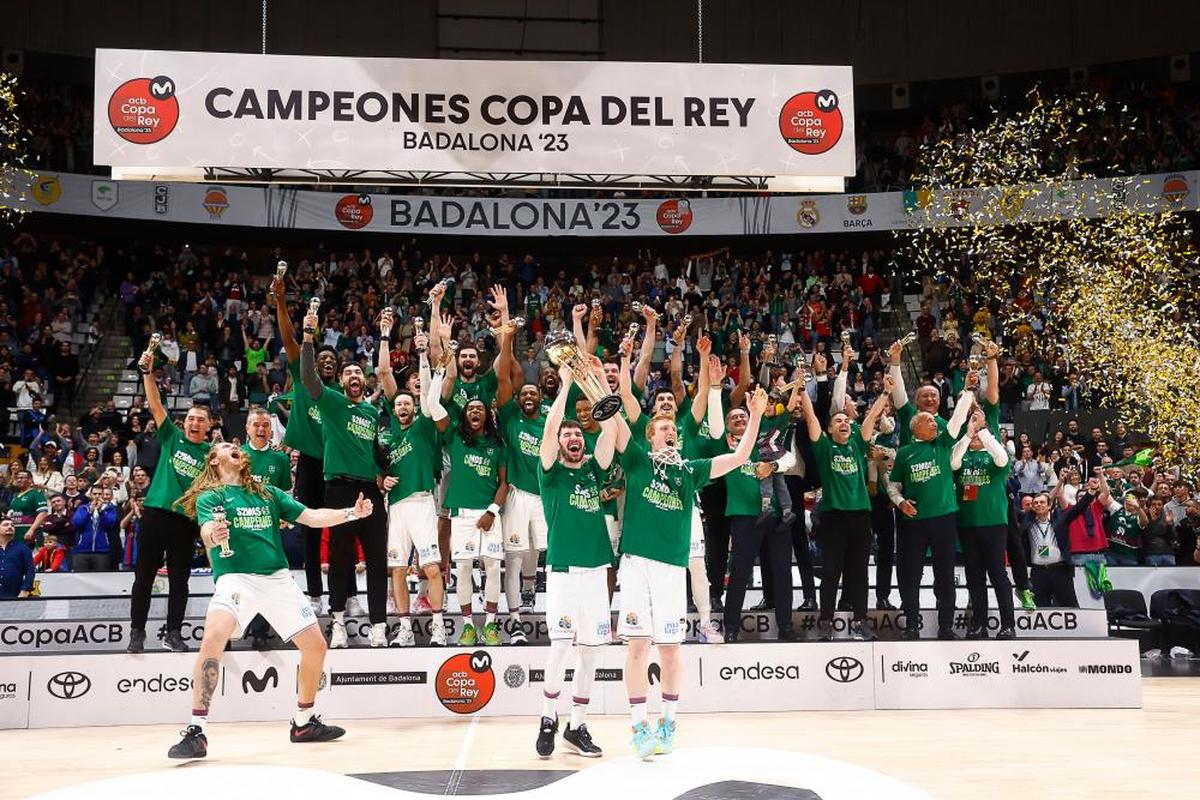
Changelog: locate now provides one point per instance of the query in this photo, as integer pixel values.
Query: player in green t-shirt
(28, 509)
(410, 446)
(698, 421)
(981, 468)
(165, 532)
(921, 484)
(661, 488)
(350, 424)
(239, 520)
(303, 433)
(577, 561)
(840, 456)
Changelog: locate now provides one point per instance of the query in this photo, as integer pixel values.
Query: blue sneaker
(665, 736)
(644, 740)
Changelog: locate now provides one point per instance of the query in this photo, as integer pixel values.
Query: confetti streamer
(14, 141)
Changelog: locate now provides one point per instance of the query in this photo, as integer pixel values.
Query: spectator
(1159, 536)
(46, 478)
(51, 556)
(96, 532)
(28, 508)
(1038, 393)
(65, 374)
(232, 391)
(29, 387)
(16, 563)
(204, 387)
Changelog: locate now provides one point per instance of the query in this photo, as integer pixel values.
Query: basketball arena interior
(567, 398)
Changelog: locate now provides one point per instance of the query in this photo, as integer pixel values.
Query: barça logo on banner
(46, 189)
(354, 211)
(1175, 189)
(215, 202)
(808, 215)
(144, 110)
(104, 194)
(856, 204)
(811, 122)
(674, 216)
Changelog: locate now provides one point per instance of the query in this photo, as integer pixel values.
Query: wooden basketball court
(1002, 754)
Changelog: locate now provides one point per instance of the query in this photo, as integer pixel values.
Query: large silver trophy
(562, 350)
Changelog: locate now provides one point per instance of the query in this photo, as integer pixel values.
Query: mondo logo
(465, 683)
(144, 110)
(844, 669)
(674, 216)
(811, 122)
(354, 211)
(69, 685)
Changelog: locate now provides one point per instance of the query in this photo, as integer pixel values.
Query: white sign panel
(161, 109)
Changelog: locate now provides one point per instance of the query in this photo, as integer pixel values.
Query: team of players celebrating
(470, 468)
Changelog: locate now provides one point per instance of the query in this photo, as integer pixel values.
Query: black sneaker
(861, 632)
(911, 634)
(731, 635)
(787, 635)
(884, 605)
(807, 605)
(947, 635)
(137, 641)
(1006, 633)
(546, 734)
(844, 604)
(763, 605)
(173, 641)
(194, 744)
(824, 630)
(580, 741)
(316, 731)
(979, 632)
(717, 605)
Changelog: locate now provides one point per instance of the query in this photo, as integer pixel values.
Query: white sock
(339, 617)
(405, 622)
(437, 620)
(578, 712)
(637, 710)
(669, 706)
(199, 720)
(548, 705)
(304, 715)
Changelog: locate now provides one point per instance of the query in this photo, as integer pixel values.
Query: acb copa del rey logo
(144, 110)
(465, 682)
(811, 122)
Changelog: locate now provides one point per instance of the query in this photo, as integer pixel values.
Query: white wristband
(493, 509)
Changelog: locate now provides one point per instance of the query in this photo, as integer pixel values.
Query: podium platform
(359, 683)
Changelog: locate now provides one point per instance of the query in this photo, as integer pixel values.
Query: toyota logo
(844, 669)
(69, 685)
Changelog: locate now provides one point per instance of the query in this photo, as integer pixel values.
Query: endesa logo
(354, 211)
(144, 110)
(155, 685)
(465, 683)
(759, 671)
(811, 122)
(674, 216)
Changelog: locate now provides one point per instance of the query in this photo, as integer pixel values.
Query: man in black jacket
(1048, 548)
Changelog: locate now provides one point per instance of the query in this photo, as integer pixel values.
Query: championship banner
(157, 110)
(278, 206)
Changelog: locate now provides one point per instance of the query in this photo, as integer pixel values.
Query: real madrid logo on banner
(808, 215)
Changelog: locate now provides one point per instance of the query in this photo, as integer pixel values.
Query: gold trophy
(151, 349)
(509, 327)
(975, 362)
(218, 516)
(386, 320)
(632, 333)
(314, 306)
(908, 338)
(562, 350)
(643, 308)
(280, 271)
(418, 329)
(845, 340)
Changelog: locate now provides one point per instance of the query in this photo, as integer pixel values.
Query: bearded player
(661, 488)
(233, 508)
(577, 561)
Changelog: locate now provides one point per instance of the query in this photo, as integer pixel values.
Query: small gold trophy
(151, 349)
(280, 271)
(314, 306)
(218, 516)
(562, 350)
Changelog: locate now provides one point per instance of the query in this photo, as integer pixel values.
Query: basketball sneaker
(194, 744)
(422, 607)
(404, 638)
(437, 636)
(337, 636)
(469, 635)
(517, 636)
(707, 634)
(1006, 633)
(354, 608)
(173, 641)
(316, 731)
(861, 632)
(377, 636)
(1027, 600)
(528, 600)
(644, 740)
(546, 734)
(665, 738)
(491, 634)
(581, 741)
(137, 641)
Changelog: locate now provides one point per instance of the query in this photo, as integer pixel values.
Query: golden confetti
(1086, 272)
(14, 140)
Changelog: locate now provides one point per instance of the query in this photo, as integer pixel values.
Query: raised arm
(287, 333)
(716, 412)
(876, 411)
(899, 395)
(504, 372)
(838, 401)
(642, 371)
(593, 337)
(632, 410)
(994, 448)
(153, 400)
(387, 379)
(962, 410)
(991, 352)
(548, 450)
(431, 398)
(700, 401)
(578, 312)
(743, 384)
(810, 417)
(676, 363)
(728, 462)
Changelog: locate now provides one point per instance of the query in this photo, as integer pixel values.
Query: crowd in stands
(220, 348)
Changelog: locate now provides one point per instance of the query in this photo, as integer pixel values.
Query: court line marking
(460, 761)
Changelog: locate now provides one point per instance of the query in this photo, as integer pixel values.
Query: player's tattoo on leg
(209, 674)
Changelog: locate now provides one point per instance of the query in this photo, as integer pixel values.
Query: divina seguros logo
(144, 110)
